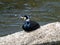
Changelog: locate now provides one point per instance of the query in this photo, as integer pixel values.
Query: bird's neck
(27, 20)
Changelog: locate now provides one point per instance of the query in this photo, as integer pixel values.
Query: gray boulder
(48, 34)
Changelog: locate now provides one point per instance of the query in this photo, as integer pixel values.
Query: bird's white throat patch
(27, 19)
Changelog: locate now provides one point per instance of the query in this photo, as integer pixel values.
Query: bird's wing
(34, 24)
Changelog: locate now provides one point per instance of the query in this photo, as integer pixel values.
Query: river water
(43, 13)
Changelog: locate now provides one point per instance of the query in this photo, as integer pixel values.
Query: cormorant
(29, 25)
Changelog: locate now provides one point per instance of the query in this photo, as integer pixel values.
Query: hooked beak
(24, 18)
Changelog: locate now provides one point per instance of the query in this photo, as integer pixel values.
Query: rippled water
(10, 21)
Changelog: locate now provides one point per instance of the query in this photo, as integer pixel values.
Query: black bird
(29, 25)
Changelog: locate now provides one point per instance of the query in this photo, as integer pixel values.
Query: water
(43, 13)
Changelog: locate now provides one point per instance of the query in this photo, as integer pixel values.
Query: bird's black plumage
(29, 25)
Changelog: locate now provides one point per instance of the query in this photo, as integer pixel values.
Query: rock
(48, 34)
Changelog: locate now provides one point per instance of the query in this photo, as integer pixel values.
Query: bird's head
(25, 17)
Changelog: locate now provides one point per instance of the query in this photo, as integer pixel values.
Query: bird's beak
(24, 18)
